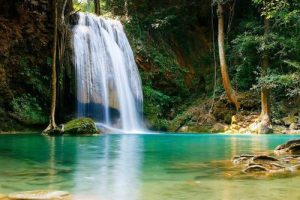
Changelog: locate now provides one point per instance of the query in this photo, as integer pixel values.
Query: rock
(295, 149)
(184, 129)
(288, 144)
(219, 127)
(255, 168)
(295, 168)
(40, 195)
(80, 126)
(289, 120)
(293, 126)
(263, 159)
(291, 147)
(242, 159)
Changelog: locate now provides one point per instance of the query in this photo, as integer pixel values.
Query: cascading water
(107, 78)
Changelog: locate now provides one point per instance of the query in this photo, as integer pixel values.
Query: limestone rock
(255, 168)
(219, 127)
(40, 195)
(293, 126)
(290, 147)
(263, 159)
(289, 120)
(242, 159)
(184, 129)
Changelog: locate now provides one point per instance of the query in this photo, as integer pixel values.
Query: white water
(108, 82)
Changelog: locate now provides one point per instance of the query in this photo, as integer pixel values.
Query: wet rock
(295, 149)
(263, 159)
(40, 195)
(288, 144)
(292, 147)
(81, 126)
(290, 159)
(255, 168)
(242, 159)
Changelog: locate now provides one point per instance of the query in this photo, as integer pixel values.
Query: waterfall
(108, 82)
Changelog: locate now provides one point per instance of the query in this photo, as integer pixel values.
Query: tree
(97, 7)
(230, 92)
(52, 124)
(265, 117)
(126, 9)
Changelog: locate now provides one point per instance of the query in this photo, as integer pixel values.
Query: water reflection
(114, 172)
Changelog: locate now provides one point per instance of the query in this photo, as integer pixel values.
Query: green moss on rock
(81, 126)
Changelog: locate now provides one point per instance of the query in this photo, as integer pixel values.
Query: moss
(81, 126)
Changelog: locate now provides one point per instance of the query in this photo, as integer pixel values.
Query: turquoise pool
(139, 167)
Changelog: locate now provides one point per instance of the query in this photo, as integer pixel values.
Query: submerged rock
(40, 195)
(291, 147)
(255, 168)
(263, 159)
(80, 126)
(242, 159)
(269, 165)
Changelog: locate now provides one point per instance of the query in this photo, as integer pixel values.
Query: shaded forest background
(175, 44)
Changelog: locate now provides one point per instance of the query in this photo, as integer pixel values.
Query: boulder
(40, 195)
(219, 127)
(80, 126)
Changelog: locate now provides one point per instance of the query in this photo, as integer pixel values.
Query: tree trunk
(126, 9)
(265, 98)
(52, 124)
(97, 7)
(231, 94)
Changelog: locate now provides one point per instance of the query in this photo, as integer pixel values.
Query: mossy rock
(81, 126)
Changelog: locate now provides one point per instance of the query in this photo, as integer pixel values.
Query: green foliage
(84, 6)
(29, 110)
(281, 44)
(88, 6)
(33, 76)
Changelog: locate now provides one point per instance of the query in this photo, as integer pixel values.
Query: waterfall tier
(108, 82)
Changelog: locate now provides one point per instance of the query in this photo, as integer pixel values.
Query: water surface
(139, 167)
